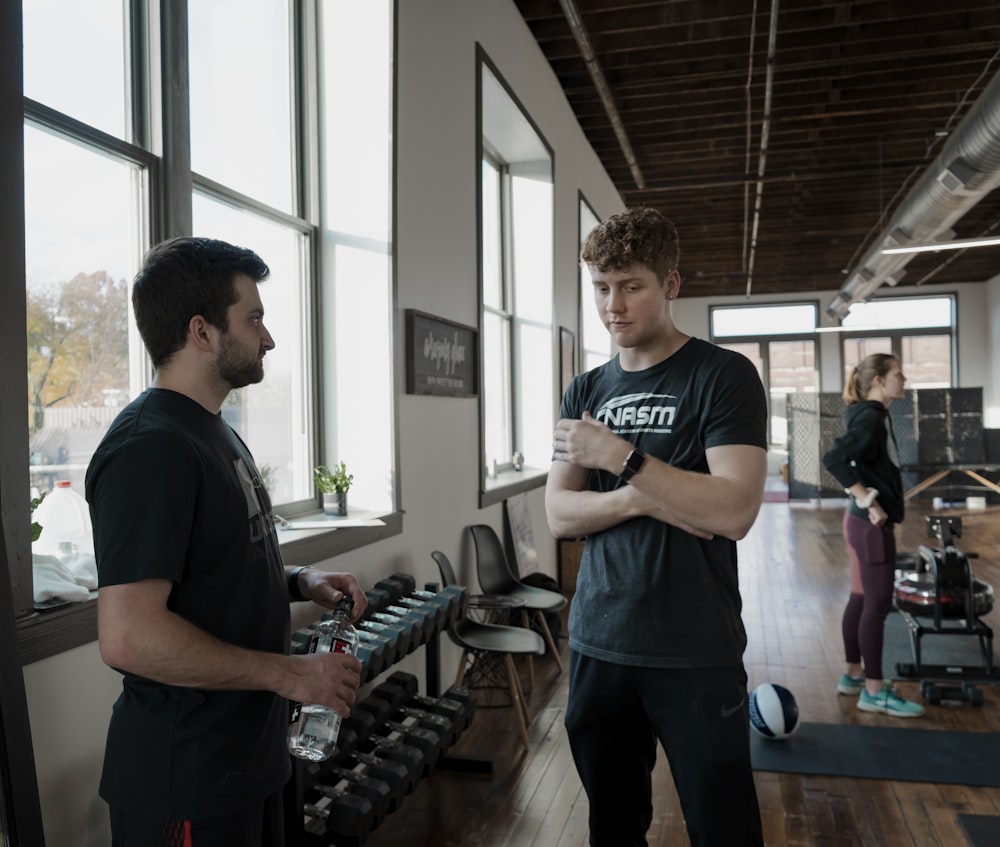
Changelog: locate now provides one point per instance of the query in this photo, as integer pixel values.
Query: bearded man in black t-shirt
(193, 599)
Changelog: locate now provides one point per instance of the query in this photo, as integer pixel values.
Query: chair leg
(460, 676)
(548, 638)
(518, 701)
(526, 623)
(520, 694)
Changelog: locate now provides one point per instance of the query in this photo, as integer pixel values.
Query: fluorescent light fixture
(859, 328)
(957, 244)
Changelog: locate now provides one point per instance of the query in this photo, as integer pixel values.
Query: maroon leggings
(873, 568)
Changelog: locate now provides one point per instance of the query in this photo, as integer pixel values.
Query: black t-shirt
(648, 593)
(174, 494)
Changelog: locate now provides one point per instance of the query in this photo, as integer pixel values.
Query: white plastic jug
(65, 520)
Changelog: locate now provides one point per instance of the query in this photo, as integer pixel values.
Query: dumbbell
(454, 710)
(421, 627)
(412, 629)
(379, 602)
(382, 747)
(405, 731)
(437, 612)
(337, 781)
(388, 628)
(403, 708)
(395, 588)
(424, 617)
(450, 601)
(401, 589)
(395, 775)
(463, 695)
(349, 818)
(380, 639)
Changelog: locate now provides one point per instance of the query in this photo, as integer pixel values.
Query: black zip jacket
(864, 454)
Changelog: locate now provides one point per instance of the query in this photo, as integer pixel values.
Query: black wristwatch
(631, 465)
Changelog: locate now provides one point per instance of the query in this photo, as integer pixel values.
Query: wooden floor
(793, 572)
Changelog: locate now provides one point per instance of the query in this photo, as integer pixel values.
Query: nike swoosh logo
(727, 712)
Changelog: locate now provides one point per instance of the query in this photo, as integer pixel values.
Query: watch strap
(630, 467)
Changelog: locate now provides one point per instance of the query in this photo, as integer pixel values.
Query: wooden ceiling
(862, 95)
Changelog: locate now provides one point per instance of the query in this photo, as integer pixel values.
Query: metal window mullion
(176, 216)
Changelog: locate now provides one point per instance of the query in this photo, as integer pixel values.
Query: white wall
(70, 696)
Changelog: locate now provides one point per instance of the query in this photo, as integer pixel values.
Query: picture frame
(442, 356)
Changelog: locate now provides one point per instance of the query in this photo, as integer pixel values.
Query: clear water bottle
(313, 731)
(65, 520)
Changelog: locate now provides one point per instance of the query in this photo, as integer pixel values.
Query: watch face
(632, 464)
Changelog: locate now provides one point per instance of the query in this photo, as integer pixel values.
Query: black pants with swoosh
(615, 716)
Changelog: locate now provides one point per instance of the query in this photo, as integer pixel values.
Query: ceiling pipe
(965, 171)
(765, 134)
(597, 75)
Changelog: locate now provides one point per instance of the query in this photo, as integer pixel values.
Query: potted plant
(333, 485)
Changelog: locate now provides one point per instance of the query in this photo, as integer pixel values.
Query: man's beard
(236, 365)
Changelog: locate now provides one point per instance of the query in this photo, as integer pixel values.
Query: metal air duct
(966, 170)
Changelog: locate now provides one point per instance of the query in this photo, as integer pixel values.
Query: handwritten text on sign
(441, 356)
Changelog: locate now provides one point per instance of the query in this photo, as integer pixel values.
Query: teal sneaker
(888, 702)
(850, 684)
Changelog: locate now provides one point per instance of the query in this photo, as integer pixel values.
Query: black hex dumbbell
(401, 688)
(338, 781)
(389, 772)
(382, 640)
(405, 712)
(437, 611)
(390, 748)
(425, 616)
(404, 729)
(463, 695)
(346, 817)
(391, 627)
(412, 629)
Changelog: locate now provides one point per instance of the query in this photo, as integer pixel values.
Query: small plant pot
(335, 503)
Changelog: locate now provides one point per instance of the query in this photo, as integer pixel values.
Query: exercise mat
(981, 830)
(872, 752)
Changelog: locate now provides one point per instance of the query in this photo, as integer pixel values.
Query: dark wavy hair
(184, 277)
(638, 236)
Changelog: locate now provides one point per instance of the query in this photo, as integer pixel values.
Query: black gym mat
(981, 830)
(902, 754)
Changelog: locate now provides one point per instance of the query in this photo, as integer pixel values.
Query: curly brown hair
(638, 236)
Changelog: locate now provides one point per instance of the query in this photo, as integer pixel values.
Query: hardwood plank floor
(793, 573)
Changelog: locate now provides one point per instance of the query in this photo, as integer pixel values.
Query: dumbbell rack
(394, 736)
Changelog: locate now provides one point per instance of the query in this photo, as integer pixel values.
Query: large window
(919, 331)
(786, 361)
(247, 145)
(518, 385)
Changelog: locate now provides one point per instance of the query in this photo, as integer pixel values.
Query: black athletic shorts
(255, 826)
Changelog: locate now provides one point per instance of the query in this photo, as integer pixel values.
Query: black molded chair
(497, 577)
(488, 647)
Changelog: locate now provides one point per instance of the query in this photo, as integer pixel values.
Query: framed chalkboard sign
(441, 356)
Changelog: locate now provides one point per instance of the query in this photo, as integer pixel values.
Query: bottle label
(341, 645)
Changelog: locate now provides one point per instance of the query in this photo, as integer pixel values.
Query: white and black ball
(774, 714)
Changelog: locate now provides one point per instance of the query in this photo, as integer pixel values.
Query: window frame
(171, 185)
(510, 479)
(764, 347)
(896, 335)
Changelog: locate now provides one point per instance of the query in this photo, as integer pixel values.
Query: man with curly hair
(660, 461)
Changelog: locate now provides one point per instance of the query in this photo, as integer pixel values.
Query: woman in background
(865, 461)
